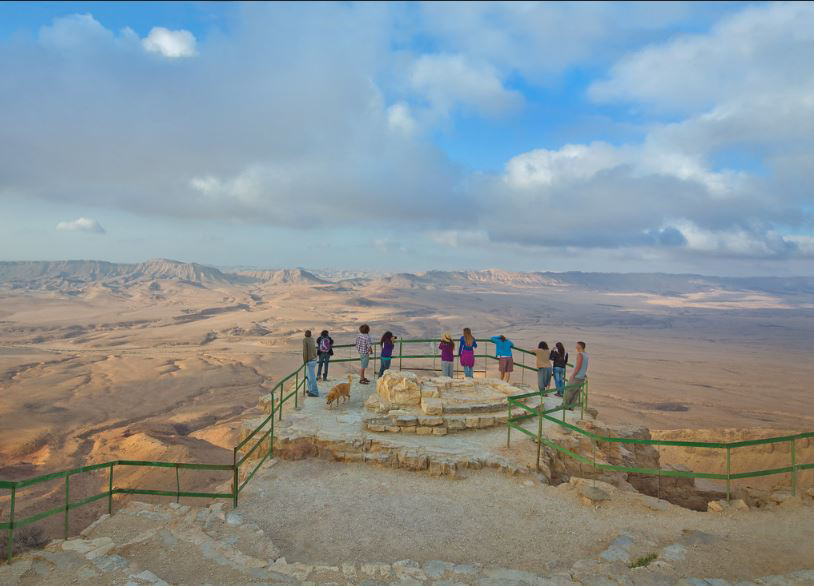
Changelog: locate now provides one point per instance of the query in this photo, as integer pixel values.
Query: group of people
(551, 363)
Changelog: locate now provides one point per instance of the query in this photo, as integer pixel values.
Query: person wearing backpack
(325, 349)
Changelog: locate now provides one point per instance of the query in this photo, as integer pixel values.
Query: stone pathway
(159, 545)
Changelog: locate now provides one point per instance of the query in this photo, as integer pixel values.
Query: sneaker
(312, 395)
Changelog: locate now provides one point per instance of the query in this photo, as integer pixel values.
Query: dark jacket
(319, 352)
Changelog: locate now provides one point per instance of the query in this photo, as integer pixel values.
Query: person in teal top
(577, 380)
(503, 351)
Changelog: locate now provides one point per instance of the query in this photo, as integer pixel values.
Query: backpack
(325, 344)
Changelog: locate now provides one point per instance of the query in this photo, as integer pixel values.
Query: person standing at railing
(363, 347)
(503, 352)
(447, 348)
(543, 366)
(466, 352)
(325, 349)
(386, 355)
(309, 357)
(578, 377)
(559, 358)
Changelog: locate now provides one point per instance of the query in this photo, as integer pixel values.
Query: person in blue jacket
(503, 351)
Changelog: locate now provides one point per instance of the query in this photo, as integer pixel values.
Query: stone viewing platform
(406, 421)
(407, 403)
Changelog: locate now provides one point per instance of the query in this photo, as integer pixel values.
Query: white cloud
(400, 119)
(81, 225)
(448, 81)
(74, 31)
(761, 49)
(169, 43)
(572, 161)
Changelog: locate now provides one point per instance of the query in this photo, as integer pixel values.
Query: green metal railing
(68, 505)
(263, 435)
(240, 454)
(541, 413)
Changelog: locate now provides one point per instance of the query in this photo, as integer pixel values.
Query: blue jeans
(559, 378)
(469, 371)
(447, 368)
(311, 377)
(543, 378)
(324, 358)
(384, 365)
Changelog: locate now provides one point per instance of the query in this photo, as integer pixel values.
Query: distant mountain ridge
(22, 273)
(57, 274)
(284, 277)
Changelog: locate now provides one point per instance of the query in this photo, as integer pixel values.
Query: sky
(624, 137)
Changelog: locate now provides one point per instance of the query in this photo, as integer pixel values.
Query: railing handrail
(542, 414)
(277, 409)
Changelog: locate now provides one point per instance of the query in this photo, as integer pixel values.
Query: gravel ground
(325, 512)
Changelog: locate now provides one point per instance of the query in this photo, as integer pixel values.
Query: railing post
(177, 485)
(296, 399)
(523, 368)
(375, 370)
(234, 478)
(67, 500)
(793, 470)
(282, 390)
(110, 491)
(582, 400)
(509, 424)
(728, 471)
(10, 538)
(401, 346)
(540, 409)
(593, 445)
(271, 435)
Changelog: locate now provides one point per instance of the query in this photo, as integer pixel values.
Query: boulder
(717, 506)
(399, 388)
(431, 406)
(592, 495)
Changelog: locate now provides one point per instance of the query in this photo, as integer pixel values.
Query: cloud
(545, 167)
(306, 116)
(74, 31)
(763, 49)
(400, 119)
(449, 81)
(169, 43)
(81, 225)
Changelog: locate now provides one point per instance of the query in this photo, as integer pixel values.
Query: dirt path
(324, 512)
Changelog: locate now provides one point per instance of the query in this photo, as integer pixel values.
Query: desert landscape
(163, 359)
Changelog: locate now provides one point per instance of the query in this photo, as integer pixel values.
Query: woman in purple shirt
(447, 347)
(388, 340)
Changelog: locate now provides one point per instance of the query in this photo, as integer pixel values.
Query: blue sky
(670, 137)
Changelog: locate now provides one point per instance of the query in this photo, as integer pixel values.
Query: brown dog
(339, 391)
